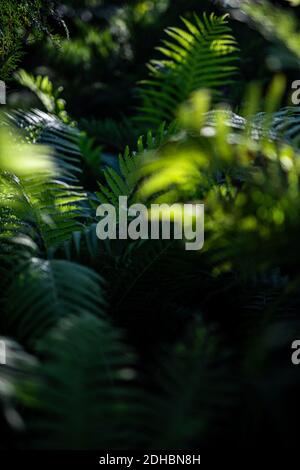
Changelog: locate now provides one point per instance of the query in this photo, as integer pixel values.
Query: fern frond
(45, 91)
(84, 244)
(194, 397)
(50, 204)
(200, 56)
(85, 368)
(113, 135)
(47, 129)
(124, 183)
(285, 124)
(43, 292)
(44, 210)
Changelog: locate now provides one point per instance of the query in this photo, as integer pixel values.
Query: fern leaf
(125, 184)
(43, 292)
(87, 365)
(201, 56)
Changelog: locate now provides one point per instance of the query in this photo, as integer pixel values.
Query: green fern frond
(45, 291)
(200, 56)
(47, 129)
(285, 124)
(113, 135)
(48, 202)
(84, 244)
(45, 210)
(86, 368)
(194, 397)
(125, 182)
(45, 91)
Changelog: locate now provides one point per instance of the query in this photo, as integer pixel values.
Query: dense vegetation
(125, 344)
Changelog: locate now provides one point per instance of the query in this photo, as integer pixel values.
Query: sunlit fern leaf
(50, 203)
(285, 124)
(44, 291)
(64, 140)
(46, 92)
(82, 397)
(124, 184)
(42, 208)
(257, 125)
(200, 56)
(233, 120)
(205, 158)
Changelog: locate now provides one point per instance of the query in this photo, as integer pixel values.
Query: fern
(42, 209)
(204, 326)
(88, 366)
(194, 398)
(125, 183)
(281, 27)
(46, 129)
(43, 292)
(50, 203)
(113, 135)
(200, 56)
(285, 124)
(45, 91)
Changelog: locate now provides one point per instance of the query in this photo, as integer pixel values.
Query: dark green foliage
(141, 344)
(44, 291)
(21, 21)
(88, 401)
